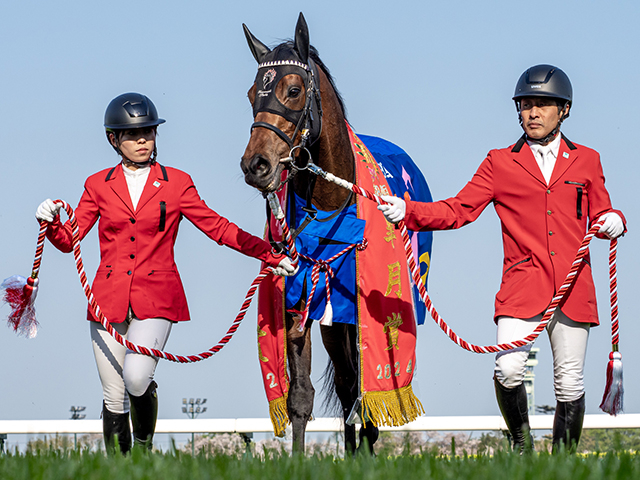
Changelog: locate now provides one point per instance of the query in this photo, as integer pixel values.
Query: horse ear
(301, 43)
(258, 48)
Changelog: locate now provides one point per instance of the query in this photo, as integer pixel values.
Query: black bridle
(308, 120)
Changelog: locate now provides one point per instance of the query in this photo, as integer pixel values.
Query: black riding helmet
(545, 81)
(130, 110)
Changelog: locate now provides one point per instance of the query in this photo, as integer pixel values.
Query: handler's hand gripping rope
(20, 294)
(612, 399)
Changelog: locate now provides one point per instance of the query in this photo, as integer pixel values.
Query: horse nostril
(259, 166)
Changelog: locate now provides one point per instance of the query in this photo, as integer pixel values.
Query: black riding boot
(567, 424)
(116, 425)
(514, 408)
(144, 412)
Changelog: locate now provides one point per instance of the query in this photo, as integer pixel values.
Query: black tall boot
(144, 412)
(515, 411)
(116, 425)
(567, 424)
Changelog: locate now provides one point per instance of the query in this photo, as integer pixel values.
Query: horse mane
(313, 53)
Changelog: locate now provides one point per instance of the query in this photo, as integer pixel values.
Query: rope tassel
(614, 390)
(20, 294)
(327, 316)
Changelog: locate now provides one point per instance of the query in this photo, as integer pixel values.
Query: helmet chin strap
(548, 138)
(129, 163)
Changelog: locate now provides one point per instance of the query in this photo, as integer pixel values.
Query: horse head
(286, 105)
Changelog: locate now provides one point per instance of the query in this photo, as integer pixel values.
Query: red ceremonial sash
(386, 319)
(272, 342)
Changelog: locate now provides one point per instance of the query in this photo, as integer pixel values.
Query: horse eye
(294, 92)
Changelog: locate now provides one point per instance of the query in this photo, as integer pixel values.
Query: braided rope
(105, 322)
(321, 266)
(613, 289)
(569, 280)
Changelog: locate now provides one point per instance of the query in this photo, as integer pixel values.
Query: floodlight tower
(529, 379)
(76, 415)
(191, 412)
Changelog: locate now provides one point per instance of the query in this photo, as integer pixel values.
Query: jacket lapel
(155, 183)
(567, 154)
(115, 179)
(523, 156)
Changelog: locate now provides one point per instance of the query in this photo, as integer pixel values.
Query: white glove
(48, 210)
(285, 268)
(612, 226)
(394, 210)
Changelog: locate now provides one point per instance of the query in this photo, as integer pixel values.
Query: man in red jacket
(547, 191)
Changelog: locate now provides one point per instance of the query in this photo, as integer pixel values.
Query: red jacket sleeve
(87, 213)
(221, 230)
(454, 212)
(599, 201)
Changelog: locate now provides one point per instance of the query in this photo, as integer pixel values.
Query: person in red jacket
(138, 205)
(547, 191)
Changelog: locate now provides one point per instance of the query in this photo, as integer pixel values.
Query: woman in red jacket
(138, 205)
(547, 191)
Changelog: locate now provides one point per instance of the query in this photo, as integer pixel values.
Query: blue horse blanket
(322, 239)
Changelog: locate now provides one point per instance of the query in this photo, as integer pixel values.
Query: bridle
(308, 120)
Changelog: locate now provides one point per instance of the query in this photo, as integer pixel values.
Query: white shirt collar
(553, 147)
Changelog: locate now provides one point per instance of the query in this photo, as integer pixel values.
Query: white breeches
(122, 370)
(568, 341)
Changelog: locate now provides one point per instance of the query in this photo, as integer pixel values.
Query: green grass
(57, 465)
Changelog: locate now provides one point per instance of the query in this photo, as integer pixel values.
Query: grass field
(57, 465)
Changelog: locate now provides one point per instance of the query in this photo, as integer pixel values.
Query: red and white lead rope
(612, 399)
(24, 323)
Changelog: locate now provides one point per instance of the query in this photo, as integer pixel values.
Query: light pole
(192, 409)
(76, 415)
(529, 380)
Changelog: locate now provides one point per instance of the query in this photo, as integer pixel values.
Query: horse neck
(332, 152)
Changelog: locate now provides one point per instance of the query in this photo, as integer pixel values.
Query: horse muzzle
(262, 174)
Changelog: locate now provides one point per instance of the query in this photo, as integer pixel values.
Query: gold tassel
(279, 416)
(392, 408)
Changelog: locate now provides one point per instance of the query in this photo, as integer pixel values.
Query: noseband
(308, 121)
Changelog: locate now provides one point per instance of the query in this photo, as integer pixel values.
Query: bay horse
(307, 117)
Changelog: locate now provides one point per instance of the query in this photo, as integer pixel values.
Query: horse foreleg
(368, 436)
(301, 391)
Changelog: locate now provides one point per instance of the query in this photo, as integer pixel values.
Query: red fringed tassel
(20, 294)
(614, 391)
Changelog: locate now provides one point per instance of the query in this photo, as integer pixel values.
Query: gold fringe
(279, 416)
(392, 408)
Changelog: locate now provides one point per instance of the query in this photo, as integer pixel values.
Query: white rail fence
(263, 425)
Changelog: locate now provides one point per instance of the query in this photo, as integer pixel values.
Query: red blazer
(542, 226)
(137, 266)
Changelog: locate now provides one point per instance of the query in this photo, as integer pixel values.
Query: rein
(23, 317)
(571, 276)
(612, 400)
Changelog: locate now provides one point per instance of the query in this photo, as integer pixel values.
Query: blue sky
(435, 78)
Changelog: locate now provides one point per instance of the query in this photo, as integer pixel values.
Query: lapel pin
(156, 184)
(565, 154)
